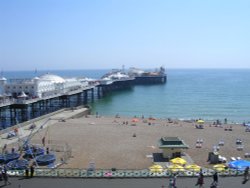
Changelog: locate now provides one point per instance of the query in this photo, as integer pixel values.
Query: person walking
(214, 184)
(27, 172)
(5, 176)
(246, 174)
(32, 169)
(172, 181)
(200, 180)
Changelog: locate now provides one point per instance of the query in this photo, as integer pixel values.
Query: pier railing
(113, 173)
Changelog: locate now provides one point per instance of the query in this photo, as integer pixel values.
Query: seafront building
(39, 87)
(25, 99)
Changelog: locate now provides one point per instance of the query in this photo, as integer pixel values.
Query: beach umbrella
(178, 160)
(239, 164)
(135, 120)
(193, 167)
(200, 121)
(175, 168)
(219, 167)
(156, 168)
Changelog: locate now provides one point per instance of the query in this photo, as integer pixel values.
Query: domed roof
(3, 79)
(52, 78)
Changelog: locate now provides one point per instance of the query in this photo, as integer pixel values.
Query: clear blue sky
(98, 34)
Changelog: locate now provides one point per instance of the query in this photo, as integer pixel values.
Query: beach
(108, 142)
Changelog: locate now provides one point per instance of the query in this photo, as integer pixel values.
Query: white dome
(2, 79)
(52, 78)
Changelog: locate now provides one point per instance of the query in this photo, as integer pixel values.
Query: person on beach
(200, 180)
(43, 141)
(4, 148)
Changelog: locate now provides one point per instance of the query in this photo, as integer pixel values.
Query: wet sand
(109, 143)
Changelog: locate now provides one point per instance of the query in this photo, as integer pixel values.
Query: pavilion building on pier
(39, 87)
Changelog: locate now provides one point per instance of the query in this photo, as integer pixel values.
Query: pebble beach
(118, 142)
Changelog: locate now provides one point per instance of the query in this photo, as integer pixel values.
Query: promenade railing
(111, 173)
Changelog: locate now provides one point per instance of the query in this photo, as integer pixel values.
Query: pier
(20, 110)
(29, 99)
(25, 99)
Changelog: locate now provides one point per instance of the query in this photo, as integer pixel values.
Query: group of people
(200, 180)
(31, 169)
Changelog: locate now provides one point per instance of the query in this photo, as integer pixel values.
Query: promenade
(41, 123)
(17, 182)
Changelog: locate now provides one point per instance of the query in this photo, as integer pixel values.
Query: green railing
(81, 173)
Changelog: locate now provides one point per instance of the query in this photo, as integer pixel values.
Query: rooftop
(172, 142)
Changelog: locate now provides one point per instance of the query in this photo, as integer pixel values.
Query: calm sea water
(188, 94)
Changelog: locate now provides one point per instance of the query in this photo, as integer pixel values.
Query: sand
(109, 143)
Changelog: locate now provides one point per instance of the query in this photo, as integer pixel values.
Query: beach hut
(179, 161)
(172, 147)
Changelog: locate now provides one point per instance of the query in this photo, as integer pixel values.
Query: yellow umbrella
(200, 121)
(219, 167)
(193, 167)
(178, 160)
(156, 168)
(175, 168)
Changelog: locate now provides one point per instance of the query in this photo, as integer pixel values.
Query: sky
(105, 34)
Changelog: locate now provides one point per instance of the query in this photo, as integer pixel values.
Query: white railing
(114, 173)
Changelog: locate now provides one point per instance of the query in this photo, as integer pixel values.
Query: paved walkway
(229, 182)
(25, 131)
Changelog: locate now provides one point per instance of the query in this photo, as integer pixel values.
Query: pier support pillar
(92, 95)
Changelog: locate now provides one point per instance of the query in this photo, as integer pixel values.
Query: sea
(209, 94)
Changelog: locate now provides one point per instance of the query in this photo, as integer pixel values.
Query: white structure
(39, 87)
(2, 83)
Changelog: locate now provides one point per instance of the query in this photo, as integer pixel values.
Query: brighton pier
(25, 99)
